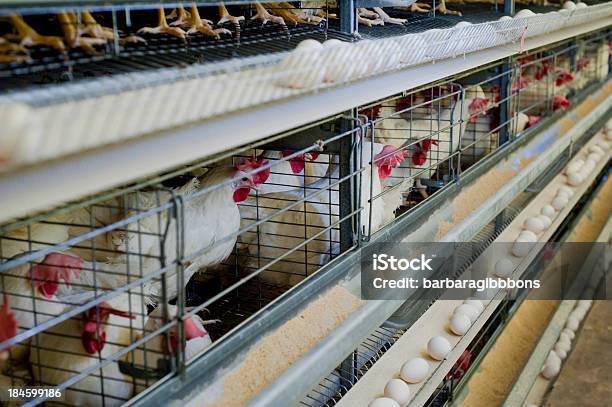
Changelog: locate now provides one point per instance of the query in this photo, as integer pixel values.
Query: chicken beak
(307, 156)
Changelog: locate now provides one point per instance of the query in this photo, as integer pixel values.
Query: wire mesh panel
(106, 297)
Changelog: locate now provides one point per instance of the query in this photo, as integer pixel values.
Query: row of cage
(107, 296)
(144, 88)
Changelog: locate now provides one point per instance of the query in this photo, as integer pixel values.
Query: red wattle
(241, 194)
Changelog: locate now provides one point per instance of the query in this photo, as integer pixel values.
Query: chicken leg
(226, 17)
(281, 11)
(28, 37)
(308, 18)
(94, 29)
(183, 18)
(72, 35)
(417, 8)
(442, 9)
(203, 26)
(387, 18)
(264, 16)
(163, 27)
(368, 22)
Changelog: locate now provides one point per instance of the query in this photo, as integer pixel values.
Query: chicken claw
(419, 8)
(368, 22)
(94, 29)
(226, 17)
(387, 18)
(442, 9)
(164, 28)
(132, 39)
(203, 27)
(6, 59)
(28, 37)
(72, 35)
(264, 16)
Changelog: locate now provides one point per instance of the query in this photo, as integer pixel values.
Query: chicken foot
(417, 8)
(163, 27)
(308, 18)
(226, 17)
(442, 9)
(203, 26)
(183, 18)
(387, 18)
(264, 16)
(368, 22)
(72, 35)
(28, 37)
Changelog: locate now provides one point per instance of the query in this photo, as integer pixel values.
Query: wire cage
(105, 297)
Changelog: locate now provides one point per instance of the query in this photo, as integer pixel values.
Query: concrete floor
(586, 377)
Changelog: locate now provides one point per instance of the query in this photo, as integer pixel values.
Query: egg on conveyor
(415, 370)
(337, 60)
(594, 157)
(438, 347)
(528, 236)
(566, 191)
(572, 323)
(475, 302)
(574, 166)
(553, 358)
(559, 202)
(548, 210)
(569, 333)
(303, 67)
(533, 224)
(522, 246)
(459, 324)
(569, 5)
(581, 5)
(383, 402)
(566, 346)
(564, 337)
(596, 149)
(468, 310)
(504, 267)
(560, 351)
(545, 220)
(398, 390)
(575, 178)
(549, 371)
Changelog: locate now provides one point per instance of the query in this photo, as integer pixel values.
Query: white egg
(383, 402)
(594, 157)
(438, 347)
(561, 350)
(398, 390)
(553, 358)
(468, 310)
(564, 337)
(581, 5)
(572, 323)
(522, 247)
(463, 24)
(338, 61)
(585, 303)
(566, 191)
(549, 371)
(415, 370)
(559, 203)
(533, 224)
(574, 166)
(548, 210)
(528, 236)
(460, 324)
(303, 67)
(475, 302)
(566, 346)
(569, 5)
(578, 313)
(524, 13)
(569, 333)
(603, 144)
(545, 220)
(596, 149)
(575, 178)
(505, 18)
(588, 167)
(504, 267)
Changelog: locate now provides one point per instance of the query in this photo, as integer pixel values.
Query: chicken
(79, 344)
(31, 290)
(213, 222)
(8, 326)
(294, 173)
(153, 352)
(311, 227)
(264, 16)
(194, 24)
(163, 27)
(28, 37)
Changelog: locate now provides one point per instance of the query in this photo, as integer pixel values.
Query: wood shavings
(276, 352)
(500, 367)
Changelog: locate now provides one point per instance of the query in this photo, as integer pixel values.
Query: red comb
(372, 112)
(55, 267)
(93, 337)
(403, 104)
(8, 323)
(582, 63)
(389, 158)
(248, 165)
(563, 77)
(560, 102)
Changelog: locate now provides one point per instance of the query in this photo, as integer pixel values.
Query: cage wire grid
(232, 84)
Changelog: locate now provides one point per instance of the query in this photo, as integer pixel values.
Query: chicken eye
(244, 179)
